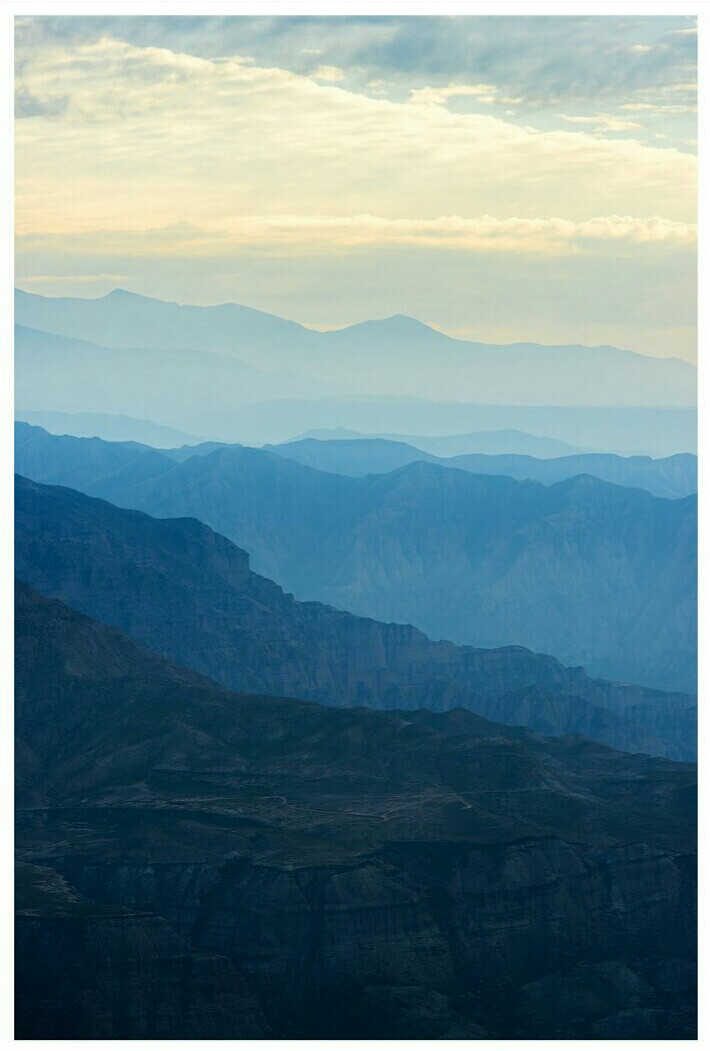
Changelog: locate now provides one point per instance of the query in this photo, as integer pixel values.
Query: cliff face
(188, 593)
(92, 971)
(219, 865)
(439, 940)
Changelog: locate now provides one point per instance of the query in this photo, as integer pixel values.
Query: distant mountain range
(491, 443)
(110, 428)
(195, 863)
(395, 356)
(626, 431)
(56, 372)
(671, 477)
(188, 593)
(599, 575)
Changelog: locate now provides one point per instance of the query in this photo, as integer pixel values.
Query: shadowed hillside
(600, 575)
(196, 862)
(189, 593)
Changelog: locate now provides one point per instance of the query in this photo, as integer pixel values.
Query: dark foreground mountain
(599, 575)
(201, 864)
(188, 593)
(670, 477)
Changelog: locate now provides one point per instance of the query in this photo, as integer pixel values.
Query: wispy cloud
(370, 151)
(149, 135)
(602, 122)
(325, 234)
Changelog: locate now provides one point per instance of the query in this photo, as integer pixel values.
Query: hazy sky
(500, 178)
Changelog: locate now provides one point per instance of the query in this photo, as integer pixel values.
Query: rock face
(104, 972)
(199, 864)
(188, 593)
(599, 575)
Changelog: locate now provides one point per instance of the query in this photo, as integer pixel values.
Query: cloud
(82, 279)
(27, 105)
(328, 73)
(641, 49)
(327, 234)
(439, 96)
(481, 234)
(203, 158)
(149, 137)
(556, 59)
(656, 108)
(603, 122)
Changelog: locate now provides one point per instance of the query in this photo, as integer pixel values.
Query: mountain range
(110, 428)
(671, 476)
(188, 593)
(626, 431)
(75, 376)
(384, 731)
(397, 355)
(599, 575)
(495, 443)
(195, 863)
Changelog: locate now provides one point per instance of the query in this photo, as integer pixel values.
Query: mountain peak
(401, 326)
(124, 293)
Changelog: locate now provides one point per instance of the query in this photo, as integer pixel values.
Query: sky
(500, 178)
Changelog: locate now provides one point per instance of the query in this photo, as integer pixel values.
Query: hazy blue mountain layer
(62, 373)
(492, 443)
(599, 575)
(201, 864)
(187, 592)
(110, 428)
(627, 431)
(671, 477)
(397, 355)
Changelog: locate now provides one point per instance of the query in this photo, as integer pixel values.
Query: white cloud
(641, 49)
(149, 137)
(328, 73)
(439, 96)
(653, 107)
(603, 122)
(296, 234)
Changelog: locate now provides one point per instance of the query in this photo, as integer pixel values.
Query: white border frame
(332, 8)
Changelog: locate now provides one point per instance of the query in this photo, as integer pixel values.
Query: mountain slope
(637, 431)
(396, 355)
(599, 575)
(110, 428)
(71, 375)
(493, 443)
(198, 863)
(671, 477)
(188, 593)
